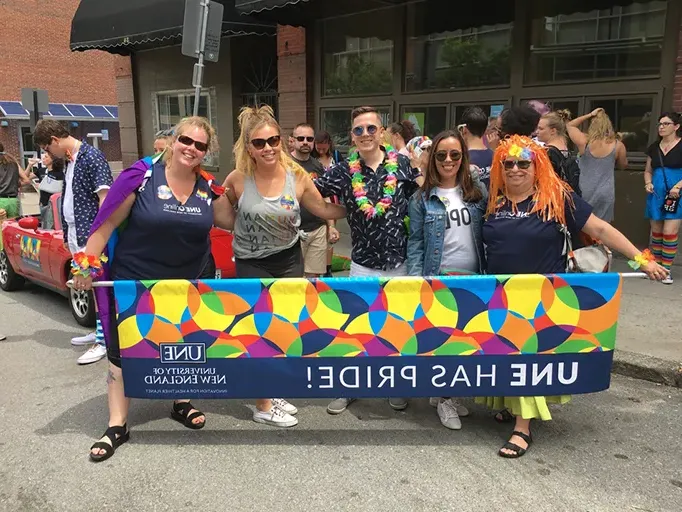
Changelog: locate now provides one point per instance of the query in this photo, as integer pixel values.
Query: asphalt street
(619, 450)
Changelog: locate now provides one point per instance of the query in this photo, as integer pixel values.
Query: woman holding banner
(528, 209)
(446, 217)
(154, 238)
(267, 190)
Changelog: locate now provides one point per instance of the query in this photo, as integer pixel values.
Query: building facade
(623, 56)
(34, 44)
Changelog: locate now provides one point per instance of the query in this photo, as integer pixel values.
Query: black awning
(436, 15)
(123, 26)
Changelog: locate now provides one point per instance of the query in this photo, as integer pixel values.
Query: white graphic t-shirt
(459, 247)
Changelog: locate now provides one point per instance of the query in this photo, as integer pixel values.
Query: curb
(643, 367)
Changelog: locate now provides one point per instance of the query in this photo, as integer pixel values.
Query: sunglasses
(273, 142)
(360, 130)
(665, 123)
(300, 138)
(189, 141)
(521, 164)
(455, 155)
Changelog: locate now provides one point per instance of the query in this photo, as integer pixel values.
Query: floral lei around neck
(360, 190)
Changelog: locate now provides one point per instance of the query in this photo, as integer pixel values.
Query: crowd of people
(491, 196)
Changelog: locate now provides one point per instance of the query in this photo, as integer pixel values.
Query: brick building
(34, 44)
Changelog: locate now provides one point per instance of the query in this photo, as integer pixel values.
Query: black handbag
(670, 203)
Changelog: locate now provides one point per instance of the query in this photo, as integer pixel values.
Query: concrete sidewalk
(649, 346)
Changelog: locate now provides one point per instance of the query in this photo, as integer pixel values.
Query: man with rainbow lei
(375, 184)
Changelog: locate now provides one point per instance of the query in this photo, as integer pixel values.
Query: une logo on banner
(182, 353)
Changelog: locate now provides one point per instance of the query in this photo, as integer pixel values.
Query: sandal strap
(526, 437)
(113, 432)
(182, 407)
(194, 416)
(101, 445)
(515, 447)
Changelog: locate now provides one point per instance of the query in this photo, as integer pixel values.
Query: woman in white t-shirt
(446, 219)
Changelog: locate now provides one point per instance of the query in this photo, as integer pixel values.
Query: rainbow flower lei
(360, 191)
(87, 265)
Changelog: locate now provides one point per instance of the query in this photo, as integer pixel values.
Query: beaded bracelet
(641, 259)
(87, 265)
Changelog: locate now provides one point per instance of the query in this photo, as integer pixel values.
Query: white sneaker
(285, 406)
(668, 280)
(447, 412)
(94, 354)
(3, 337)
(88, 339)
(275, 417)
(462, 411)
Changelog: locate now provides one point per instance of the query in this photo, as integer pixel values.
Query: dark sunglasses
(189, 141)
(521, 164)
(273, 142)
(300, 138)
(359, 130)
(455, 155)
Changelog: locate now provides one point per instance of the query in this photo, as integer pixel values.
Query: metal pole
(110, 284)
(200, 65)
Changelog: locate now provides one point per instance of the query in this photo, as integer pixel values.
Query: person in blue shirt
(446, 217)
(527, 207)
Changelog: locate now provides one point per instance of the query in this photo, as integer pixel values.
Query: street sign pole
(199, 66)
(201, 32)
(37, 104)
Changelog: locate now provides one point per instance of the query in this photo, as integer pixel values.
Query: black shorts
(113, 344)
(287, 263)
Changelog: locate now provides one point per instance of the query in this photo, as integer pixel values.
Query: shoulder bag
(50, 185)
(594, 258)
(670, 203)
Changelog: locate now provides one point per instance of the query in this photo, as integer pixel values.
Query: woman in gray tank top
(267, 190)
(600, 154)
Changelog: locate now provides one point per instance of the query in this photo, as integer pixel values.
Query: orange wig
(551, 193)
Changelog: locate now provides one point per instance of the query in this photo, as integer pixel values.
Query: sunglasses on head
(360, 130)
(273, 142)
(521, 164)
(189, 141)
(455, 155)
(300, 138)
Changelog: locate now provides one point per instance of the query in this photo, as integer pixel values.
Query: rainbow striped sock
(669, 250)
(656, 245)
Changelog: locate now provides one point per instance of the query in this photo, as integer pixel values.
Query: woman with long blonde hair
(528, 207)
(158, 216)
(267, 189)
(600, 153)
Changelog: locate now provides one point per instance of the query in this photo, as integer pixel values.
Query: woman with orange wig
(527, 207)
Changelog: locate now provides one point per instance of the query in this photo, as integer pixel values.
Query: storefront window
(463, 58)
(428, 120)
(631, 118)
(619, 41)
(358, 54)
(337, 122)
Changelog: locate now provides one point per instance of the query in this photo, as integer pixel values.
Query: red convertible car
(40, 256)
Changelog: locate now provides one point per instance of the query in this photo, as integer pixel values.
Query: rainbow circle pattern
(366, 317)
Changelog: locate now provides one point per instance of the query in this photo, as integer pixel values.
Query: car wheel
(9, 279)
(83, 307)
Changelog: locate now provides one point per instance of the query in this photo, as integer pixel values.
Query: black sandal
(117, 436)
(519, 452)
(504, 416)
(181, 413)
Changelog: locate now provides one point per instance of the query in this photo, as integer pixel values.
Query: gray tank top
(9, 180)
(598, 182)
(266, 225)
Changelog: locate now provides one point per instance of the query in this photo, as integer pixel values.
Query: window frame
(210, 93)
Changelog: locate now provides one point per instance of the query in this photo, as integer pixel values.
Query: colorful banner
(525, 335)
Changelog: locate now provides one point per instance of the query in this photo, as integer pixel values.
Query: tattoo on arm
(110, 377)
